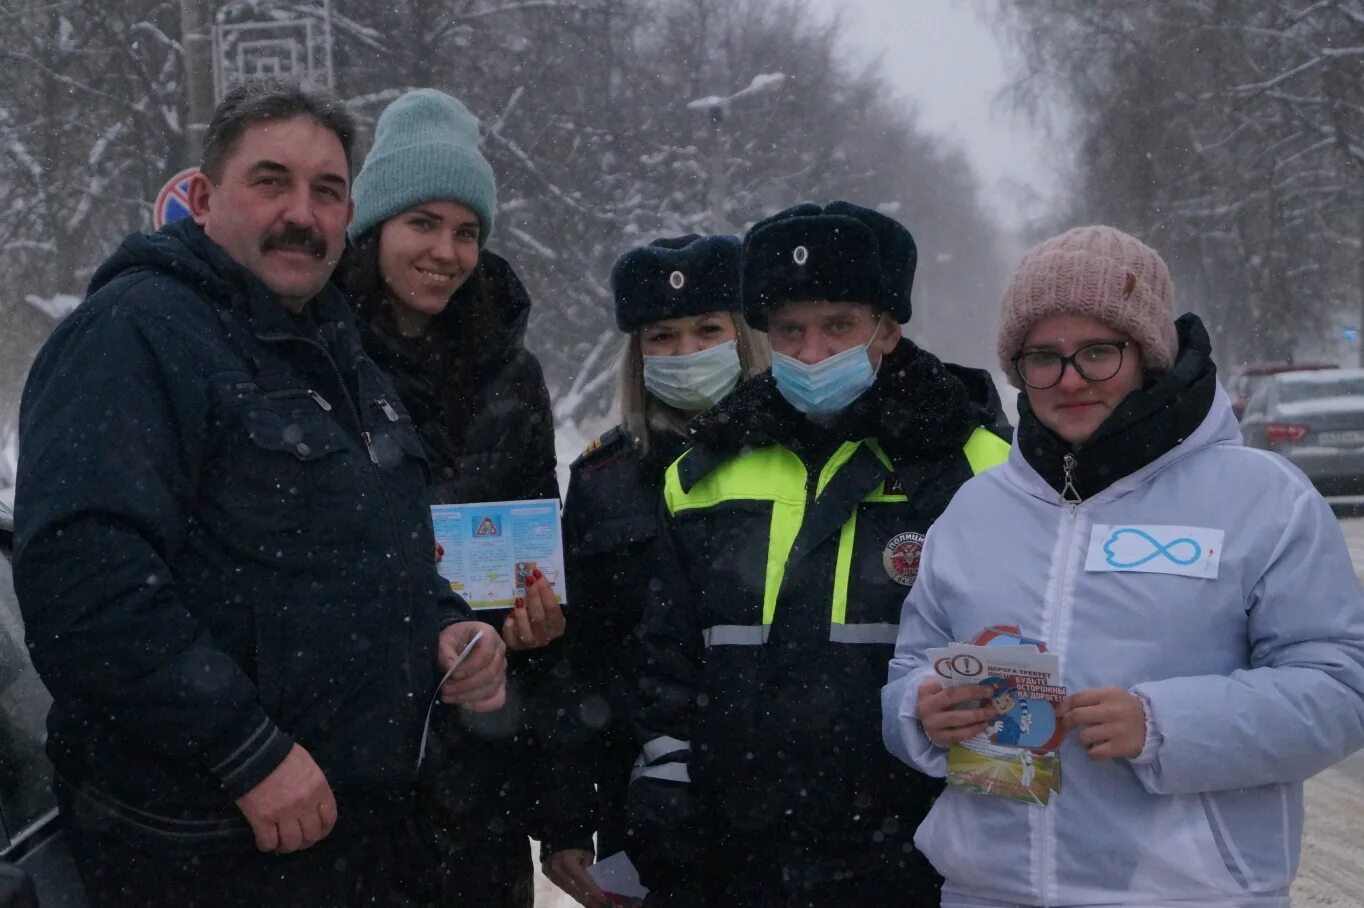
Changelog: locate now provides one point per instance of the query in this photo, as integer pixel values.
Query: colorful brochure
(486, 549)
(1015, 757)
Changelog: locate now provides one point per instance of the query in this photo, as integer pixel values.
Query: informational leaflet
(1015, 757)
(486, 549)
(619, 880)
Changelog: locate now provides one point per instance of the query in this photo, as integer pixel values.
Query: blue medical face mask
(693, 381)
(828, 387)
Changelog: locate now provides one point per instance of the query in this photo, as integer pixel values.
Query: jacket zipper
(295, 392)
(1069, 494)
(1071, 499)
(374, 464)
(341, 382)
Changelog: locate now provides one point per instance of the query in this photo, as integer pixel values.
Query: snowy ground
(1332, 872)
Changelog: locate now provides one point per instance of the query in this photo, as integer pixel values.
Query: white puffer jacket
(1215, 583)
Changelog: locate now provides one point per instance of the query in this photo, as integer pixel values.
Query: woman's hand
(535, 620)
(942, 721)
(567, 869)
(1111, 722)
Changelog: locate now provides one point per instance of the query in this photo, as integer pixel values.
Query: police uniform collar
(917, 409)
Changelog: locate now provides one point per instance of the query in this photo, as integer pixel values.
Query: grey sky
(948, 62)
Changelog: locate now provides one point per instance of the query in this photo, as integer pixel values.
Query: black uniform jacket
(787, 550)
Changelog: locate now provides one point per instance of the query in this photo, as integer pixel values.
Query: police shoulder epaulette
(610, 442)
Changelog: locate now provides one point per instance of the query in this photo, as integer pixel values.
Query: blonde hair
(640, 411)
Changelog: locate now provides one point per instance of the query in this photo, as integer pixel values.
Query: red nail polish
(538, 575)
(520, 603)
(530, 580)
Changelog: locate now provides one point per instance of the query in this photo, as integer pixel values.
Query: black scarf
(443, 374)
(1145, 425)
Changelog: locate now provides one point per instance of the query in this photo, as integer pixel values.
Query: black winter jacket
(611, 517)
(223, 548)
(760, 719)
(479, 400)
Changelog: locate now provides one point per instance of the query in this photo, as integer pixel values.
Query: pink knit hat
(1095, 271)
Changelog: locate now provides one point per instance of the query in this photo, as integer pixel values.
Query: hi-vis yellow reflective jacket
(786, 553)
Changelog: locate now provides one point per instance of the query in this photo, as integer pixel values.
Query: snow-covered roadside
(1332, 870)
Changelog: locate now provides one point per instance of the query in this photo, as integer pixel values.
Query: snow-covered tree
(586, 120)
(1231, 135)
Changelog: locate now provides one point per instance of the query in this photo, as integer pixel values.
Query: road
(1332, 870)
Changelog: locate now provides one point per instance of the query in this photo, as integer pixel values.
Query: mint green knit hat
(425, 148)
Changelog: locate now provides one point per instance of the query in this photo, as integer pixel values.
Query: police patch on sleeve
(901, 557)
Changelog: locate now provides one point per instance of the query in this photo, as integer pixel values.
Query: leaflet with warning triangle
(486, 549)
(1015, 756)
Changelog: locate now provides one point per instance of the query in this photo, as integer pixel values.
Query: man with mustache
(223, 557)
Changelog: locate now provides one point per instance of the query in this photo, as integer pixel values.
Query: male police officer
(792, 534)
(223, 559)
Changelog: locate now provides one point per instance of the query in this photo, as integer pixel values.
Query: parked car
(1316, 420)
(1246, 380)
(35, 867)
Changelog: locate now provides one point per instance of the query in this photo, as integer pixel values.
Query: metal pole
(719, 183)
(327, 41)
(196, 36)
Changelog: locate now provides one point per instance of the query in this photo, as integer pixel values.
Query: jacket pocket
(1255, 830)
(883, 567)
(282, 471)
(303, 435)
(726, 549)
(1183, 852)
(951, 841)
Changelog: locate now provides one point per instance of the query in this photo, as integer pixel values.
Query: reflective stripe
(662, 746)
(776, 475)
(668, 772)
(771, 474)
(843, 569)
(863, 633)
(835, 463)
(736, 634)
(984, 449)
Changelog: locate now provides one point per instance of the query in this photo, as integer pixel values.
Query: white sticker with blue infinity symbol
(1153, 549)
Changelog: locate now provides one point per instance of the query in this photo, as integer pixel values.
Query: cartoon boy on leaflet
(1006, 730)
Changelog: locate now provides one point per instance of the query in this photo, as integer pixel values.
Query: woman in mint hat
(447, 319)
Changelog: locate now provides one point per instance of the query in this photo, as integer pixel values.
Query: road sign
(296, 49)
(172, 202)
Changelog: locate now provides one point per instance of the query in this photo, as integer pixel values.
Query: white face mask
(694, 381)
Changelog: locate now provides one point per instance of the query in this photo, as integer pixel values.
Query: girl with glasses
(1198, 594)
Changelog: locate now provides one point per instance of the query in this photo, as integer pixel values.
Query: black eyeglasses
(1043, 369)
